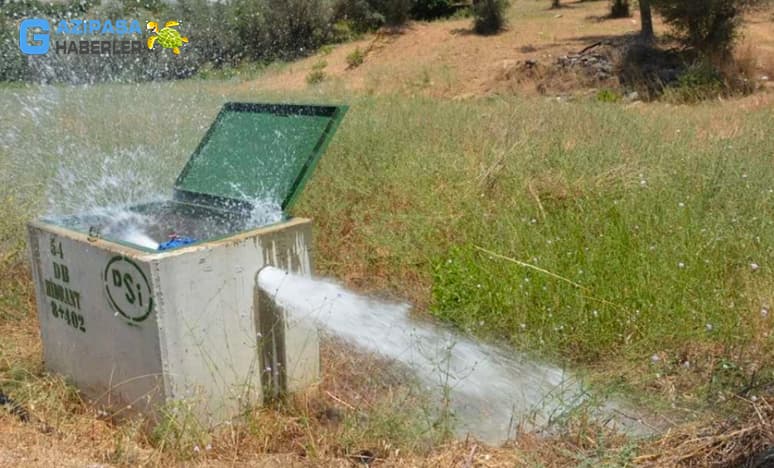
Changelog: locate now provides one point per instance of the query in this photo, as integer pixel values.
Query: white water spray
(136, 237)
(490, 391)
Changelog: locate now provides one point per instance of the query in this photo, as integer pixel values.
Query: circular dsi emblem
(128, 289)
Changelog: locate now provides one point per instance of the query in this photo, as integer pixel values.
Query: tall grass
(633, 231)
(618, 231)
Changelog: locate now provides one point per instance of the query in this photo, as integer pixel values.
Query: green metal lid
(258, 152)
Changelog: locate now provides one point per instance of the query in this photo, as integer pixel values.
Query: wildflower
(764, 311)
(680, 265)
(709, 327)
(754, 266)
(196, 448)
(655, 358)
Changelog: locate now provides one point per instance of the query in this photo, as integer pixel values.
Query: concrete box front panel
(206, 311)
(95, 306)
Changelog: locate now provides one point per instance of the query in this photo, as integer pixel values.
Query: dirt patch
(445, 59)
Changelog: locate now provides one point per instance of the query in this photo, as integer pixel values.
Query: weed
(317, 75)
(699, 82)
(355, 58)
(489, 16)
(608, 95)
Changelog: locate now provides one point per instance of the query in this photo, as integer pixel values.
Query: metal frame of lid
(333, 115)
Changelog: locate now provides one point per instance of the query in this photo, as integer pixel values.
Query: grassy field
(632, 240)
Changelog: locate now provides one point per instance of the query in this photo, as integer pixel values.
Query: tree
(709, 26)
(489, 16)
(555, 4)
(646, 21)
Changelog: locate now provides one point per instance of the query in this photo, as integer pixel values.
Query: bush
(13, 65)
(356, 16)
(293, 28)
(699, 82)
(619, 9)
(396, 12)
(431, 9)
(710, 26)
(489, 16)
(608, 95)
(316, 76)
(355, 58)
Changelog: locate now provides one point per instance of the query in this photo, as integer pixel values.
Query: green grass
(636, 227)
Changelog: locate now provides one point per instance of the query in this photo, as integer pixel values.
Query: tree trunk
(646, 19)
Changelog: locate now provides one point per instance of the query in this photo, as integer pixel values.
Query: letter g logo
(41, 41)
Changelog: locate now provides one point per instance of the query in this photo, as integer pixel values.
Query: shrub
(317, 75)
(710, 26)
(608, 95)
(431, 9)
(356, 16)
(13, 66)
(355, 58)
(396, 12)
(619, 9)
(489, 16)
(698, 82)
(294, 28)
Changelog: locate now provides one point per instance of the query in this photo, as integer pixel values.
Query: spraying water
(490, 391)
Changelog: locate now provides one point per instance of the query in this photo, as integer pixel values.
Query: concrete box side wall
(301, 344)
(206, 312)
(109, 357)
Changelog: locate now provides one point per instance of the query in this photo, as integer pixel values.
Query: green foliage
(16, 10)
(619, 9)
(608, 95)
(699, 82)
(316, 77)
(396, 12)
(432, 9)
(657, 225)
(344, 30)
(13, 65)
(710, 26)
(355, 58)
(213, 31)
(489, 16)
(294, 28)
(357, 16)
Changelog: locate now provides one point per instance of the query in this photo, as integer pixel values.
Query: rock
(631, 97)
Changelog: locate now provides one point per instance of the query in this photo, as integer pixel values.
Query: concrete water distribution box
(134, 326)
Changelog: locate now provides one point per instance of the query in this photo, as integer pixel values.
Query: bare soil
(445, 58)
